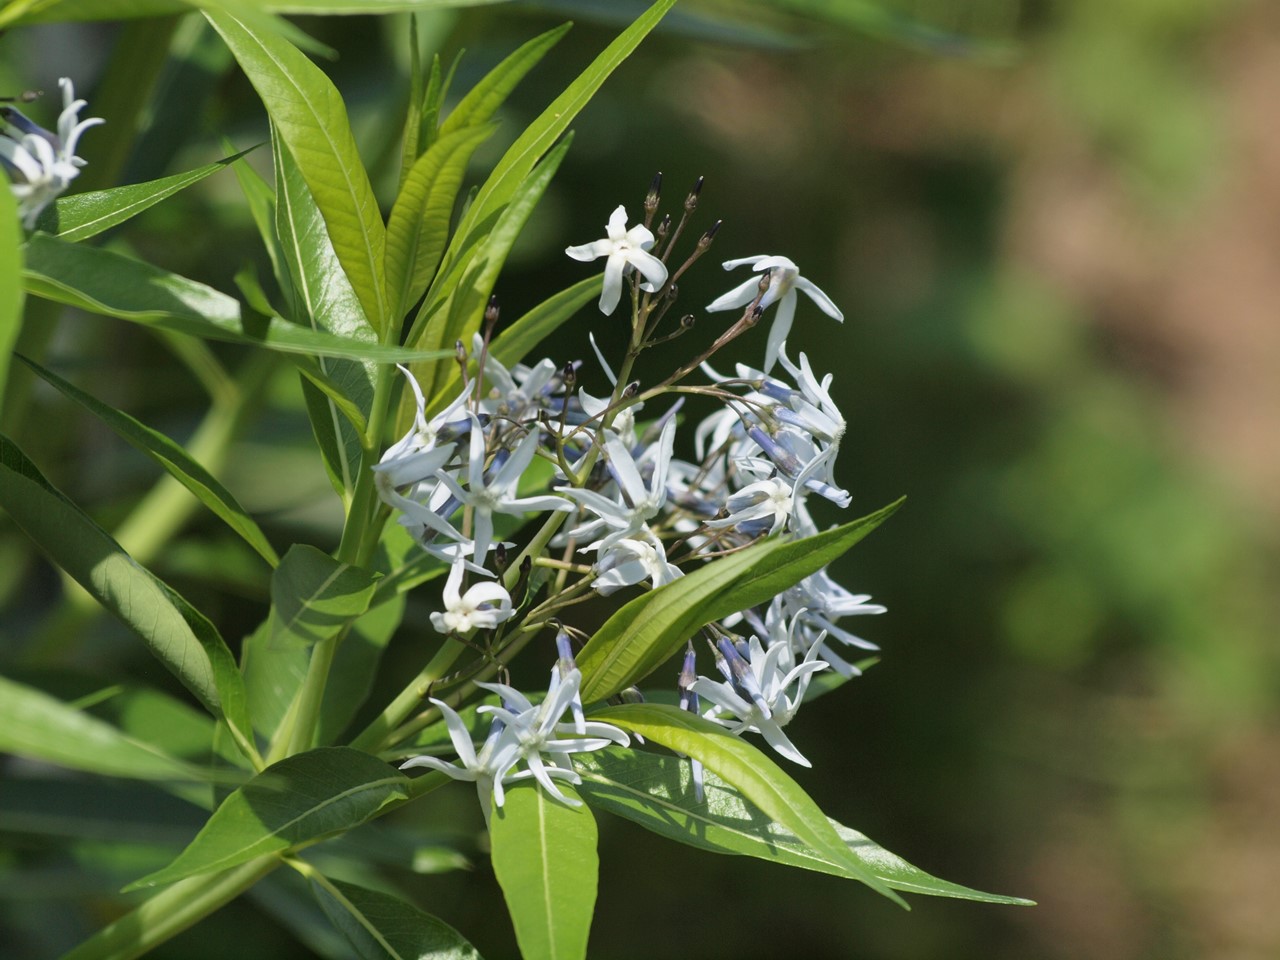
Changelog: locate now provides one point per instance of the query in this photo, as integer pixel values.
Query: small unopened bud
(500, 558)
(663, 226)
(491, 316)
(460, 354)
(569, 375)
(673, 291)
(26, 96)
(564, 648)
(655, 192)
(522, 582)
(704, 241)
(631, 389)
(687, 321)
(691, 201)
(631, 695)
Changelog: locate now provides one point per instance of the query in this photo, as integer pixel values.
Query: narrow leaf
(85, 215)
(646, 631)
(118, 286)
(173, 459)
(299, 800)
(759, 779)
(419, 224)
(261, 200)
(11, 292)
(657, 792)
(380, 926)
(484, 99)
(180, 637)
(36, 725)
(308, 111)
(544, 856)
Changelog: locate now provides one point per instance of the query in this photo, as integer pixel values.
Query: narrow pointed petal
(739, 296)
(782, 320)
(821, 299)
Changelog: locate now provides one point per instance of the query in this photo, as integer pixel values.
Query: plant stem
(373, 737)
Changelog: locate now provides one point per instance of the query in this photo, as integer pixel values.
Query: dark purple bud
(705, 240)
(691, 201)
(655, 191)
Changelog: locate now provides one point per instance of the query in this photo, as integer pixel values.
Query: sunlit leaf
(380, 926)
(298, 800)
(173, 458)
(108, 283)
(544, 855)
(84, 215)
(758, 778)
(657, 792)
(311, 118)
(646, 631)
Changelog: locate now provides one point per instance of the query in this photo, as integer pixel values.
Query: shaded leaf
(657, 792)
(298, 800)
(85, 215)
(383, 927)
(646, 631)
(11, 293)
(544, 855)
(36, 725)
(760, 780)
(173, 458)
(180, 637)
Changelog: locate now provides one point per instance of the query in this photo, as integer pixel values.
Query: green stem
(169, 912)
(373, 738)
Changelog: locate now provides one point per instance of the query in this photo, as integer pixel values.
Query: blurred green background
(1054, 231)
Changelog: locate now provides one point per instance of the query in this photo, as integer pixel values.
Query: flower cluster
(42, 164)
(621, 509)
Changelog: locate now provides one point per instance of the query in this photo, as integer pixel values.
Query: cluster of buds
(621, 509)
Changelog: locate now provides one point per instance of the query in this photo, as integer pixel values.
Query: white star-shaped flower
(41, 164)
(482, 607)
(624, 248)
(784, 280)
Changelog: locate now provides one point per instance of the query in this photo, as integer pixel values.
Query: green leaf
(544, 856)
(326, 301)
(657, 792)
(180, 637)
(173, 459)
(484, 99)
(301, 799)
(313, 597)
(36, 725)
(522, 155)
(118, 286)
(311, 118)
(459, 312)
(646, 631)
(85, 215)
(261, 199)
(419, 224)
(759, 779)
(380, 926)
(11, 293)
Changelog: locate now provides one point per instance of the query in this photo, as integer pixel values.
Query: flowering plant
(457, 458)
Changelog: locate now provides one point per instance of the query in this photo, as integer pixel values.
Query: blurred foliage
(1079, 690)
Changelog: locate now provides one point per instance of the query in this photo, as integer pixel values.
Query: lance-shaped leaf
(645, 632)
(299, 800)
(108, 283)
(380, 926)
(180, 636)
(325, 300)
(261, 200)
(11, 293)
(419, 224)
(544, 856)
(657, 792)
(309, 113)
(313, 597)
(36, 725)
(521, 156)
(173, 459)
(484, 99)
(457, 316)
(85, 215)
(759, 779)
